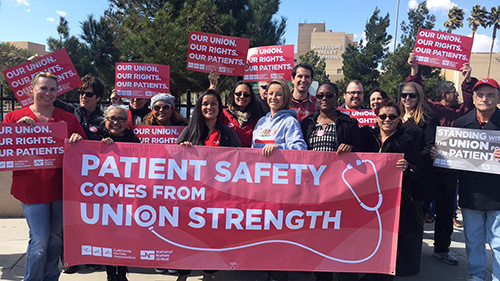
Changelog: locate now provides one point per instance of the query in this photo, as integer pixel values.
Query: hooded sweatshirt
(282, 129)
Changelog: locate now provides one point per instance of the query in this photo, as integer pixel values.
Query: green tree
(493, 20)
(158, 31)
(478, 17)
(77, 51)
(100, 38)
(395, 67)
(455, 19)
(318, 64)
(361, 62)
(11, 56)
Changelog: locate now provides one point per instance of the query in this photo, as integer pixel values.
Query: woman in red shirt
(40, 191)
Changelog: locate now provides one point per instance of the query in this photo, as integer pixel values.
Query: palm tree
(478, 17)
(493, 20)
(455, 19)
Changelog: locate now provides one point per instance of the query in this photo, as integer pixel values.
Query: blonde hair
(421, 111)
(287, 93)
(45, 74)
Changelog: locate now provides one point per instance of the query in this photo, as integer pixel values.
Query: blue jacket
(282, 129)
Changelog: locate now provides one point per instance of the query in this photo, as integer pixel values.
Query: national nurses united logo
(148, 255)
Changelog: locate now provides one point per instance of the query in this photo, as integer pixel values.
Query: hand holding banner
(141, 80)
(270, 62)
(230, 208)
(227, 55)
(37, 147)
(441, 49)
(57, 63)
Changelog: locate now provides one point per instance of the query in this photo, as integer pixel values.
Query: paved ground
(14, 240)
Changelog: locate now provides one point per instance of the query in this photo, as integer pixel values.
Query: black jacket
(346, 128)
(479, 191)
(401, 141)
(90, 123)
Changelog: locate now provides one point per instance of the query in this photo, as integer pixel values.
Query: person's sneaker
(447, 257)
(94, 266)
(160, 270)
(474, 278)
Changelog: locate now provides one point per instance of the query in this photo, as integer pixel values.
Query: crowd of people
(282, 118)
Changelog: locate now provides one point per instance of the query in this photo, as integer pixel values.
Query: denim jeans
(481, 227)
(42, 257)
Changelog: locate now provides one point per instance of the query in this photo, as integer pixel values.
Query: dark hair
(355, 81)
(255, 109)
(197, 131)
(388, 103)
(303, 65)
(333, 85)
(90, 81)
(382, 93)
(442, 87)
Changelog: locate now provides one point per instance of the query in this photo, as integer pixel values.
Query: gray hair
(443, 87)
(116, 106)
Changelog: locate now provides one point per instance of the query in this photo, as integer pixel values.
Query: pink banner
(141, 80)
(26, 148)
(268, 63)
(169, 206)
(57, 63)
(227, 55)
(441, 49)
(365, 117)
(158, 134)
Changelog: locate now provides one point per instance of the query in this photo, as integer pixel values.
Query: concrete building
(329, 45)
(30, 46)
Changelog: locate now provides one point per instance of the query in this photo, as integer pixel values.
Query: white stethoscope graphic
(363, 205)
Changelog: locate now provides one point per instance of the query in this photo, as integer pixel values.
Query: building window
(339, 70)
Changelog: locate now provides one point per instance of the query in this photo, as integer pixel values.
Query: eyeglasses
(391, 117)
(263, 86)
(452, 92)
(328, 96)
(116, 119)
(246, 95)
(355, 92)
(158, 107)
(87, 94)
(137, 99)
(411, 95)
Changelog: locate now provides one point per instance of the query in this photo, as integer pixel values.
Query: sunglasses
(385, 116)
(159, 107)
(328, 96)
(263, 86)
(246, 95)
(87, 94)
(411, 95)
(116, 119)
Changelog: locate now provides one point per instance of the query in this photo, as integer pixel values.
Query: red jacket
(43, 185)
(244, 133)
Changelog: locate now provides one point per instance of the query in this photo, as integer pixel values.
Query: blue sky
(35, 21)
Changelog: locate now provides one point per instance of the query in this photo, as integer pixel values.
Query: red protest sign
(441, 49)
(365, 117)
(158, 134)
(230, 208)
(141, 80)
(227, 55)
(57, 63)
(270, 62)
(26, 148)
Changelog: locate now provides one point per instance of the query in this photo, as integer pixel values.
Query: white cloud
(482, 43)
(412, 4)
(61, 13)
(51, 19)
(440, 5)
(23, 2)
(28, 10)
